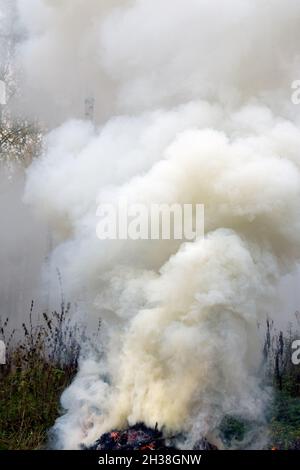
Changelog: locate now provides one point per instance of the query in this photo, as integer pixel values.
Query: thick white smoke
(193, 105)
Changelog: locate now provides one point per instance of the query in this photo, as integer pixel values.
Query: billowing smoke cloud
(193, 106)
(23, 249)
(138, 55)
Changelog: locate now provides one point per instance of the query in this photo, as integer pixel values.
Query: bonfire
(140, 437)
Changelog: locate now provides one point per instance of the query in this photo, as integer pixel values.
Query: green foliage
(39, 367)
(285, 423)
(283, 416)
(29, 404)
(285, 377)
(232, 429)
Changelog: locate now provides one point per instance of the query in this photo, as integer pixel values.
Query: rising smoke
(192, 106)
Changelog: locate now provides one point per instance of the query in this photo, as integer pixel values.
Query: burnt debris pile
(140, 437)
(137, 437)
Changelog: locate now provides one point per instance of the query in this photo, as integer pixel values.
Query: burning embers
(138, 437)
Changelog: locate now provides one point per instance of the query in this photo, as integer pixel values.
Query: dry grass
(39, 367)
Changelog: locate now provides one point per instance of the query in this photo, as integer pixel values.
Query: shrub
(39, 367)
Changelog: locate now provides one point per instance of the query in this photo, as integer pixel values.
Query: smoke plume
(192, 105)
